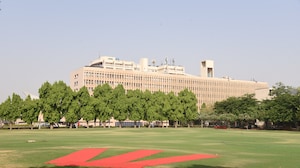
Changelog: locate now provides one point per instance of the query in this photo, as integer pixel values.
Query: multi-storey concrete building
(166, 77)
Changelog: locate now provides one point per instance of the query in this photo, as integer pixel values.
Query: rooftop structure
(108, 62)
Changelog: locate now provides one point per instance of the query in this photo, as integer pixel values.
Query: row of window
(170, 86)
(211, 91)
(112, 76)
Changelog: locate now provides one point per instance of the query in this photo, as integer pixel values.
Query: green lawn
(235, 148)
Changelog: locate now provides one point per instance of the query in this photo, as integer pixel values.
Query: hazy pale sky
(250, 39)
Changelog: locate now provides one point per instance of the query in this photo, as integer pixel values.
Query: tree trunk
(176, 124)
(120, 124)
(104, 125)
(134, 124)
(10, 126)
(228, 124)
(265, 125)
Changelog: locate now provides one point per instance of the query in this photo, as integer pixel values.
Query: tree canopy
(57, 100)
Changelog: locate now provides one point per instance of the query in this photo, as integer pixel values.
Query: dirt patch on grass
(8, 158)
(254, 154)
(240, 162)
(288, 141)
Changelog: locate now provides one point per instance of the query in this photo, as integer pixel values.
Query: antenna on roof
(153, 62)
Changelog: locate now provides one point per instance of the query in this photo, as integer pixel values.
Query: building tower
(144, 64)
(207, 69)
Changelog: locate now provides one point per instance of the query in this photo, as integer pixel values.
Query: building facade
(166, 78)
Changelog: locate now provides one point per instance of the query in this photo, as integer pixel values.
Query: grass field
(235, 148)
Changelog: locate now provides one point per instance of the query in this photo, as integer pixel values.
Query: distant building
(166, 77)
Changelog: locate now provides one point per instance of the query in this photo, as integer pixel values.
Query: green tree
(62, 96)
(6, 111)
(161, 106)
(283, 108)
(56, 100)
(90, 112)
(206, 114)
(119, 106)
(227, 118)
(30, 111)
(102, 103)
(230, 105)
(16, 103)
(134, 105)
(264, 113)
(281, 89)
(11, 109)
(188, 102)
(173, 112)
(47, 104)
(78, 105)
(245, 105)
(85, 102)
(149, 109)
(73, 114)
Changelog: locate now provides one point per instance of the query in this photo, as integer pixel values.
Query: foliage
(188, 103)
(55, 100)
(11, 109)
(149, 107)
(84, 99)
(174, 111)
(102, 103)
(30, 111)
(119, 107)
(134, 105)
(160, 106)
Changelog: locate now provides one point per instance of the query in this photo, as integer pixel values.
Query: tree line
(280, 111)
(58, 100)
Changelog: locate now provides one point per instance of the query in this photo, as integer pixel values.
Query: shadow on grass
(59, 167)
(192, 166)
(202, 166)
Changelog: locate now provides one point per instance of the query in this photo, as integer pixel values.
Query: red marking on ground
(80, 158)
(174, 159)
(120, 160)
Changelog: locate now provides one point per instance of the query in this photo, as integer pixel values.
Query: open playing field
(232, 148)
